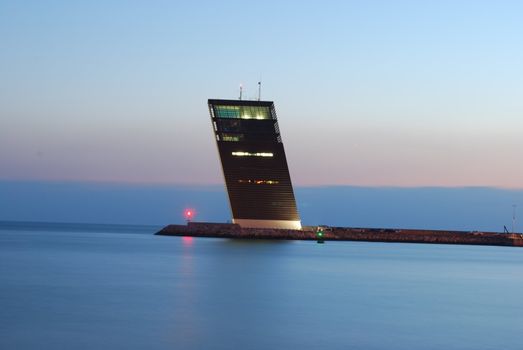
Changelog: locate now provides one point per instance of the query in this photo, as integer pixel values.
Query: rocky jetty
(221, 230)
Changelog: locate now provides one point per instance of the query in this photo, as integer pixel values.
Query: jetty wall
(223, 230)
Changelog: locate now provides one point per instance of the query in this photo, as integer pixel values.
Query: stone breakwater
(219, 230)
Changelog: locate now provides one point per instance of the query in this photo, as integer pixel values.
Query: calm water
(123, 288)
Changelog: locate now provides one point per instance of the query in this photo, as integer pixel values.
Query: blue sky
(368, 93)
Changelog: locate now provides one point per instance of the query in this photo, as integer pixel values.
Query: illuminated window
(249, 154)
(232, 137)
(243, 112)
(227, 111)
(259, 182)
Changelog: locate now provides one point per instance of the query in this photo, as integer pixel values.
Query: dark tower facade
(254, 164)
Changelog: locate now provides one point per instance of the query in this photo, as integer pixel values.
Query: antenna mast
(513, 217)
(241, 90)
(259, 90)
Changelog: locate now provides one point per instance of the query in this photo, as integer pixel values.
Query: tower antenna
(513, 217)
(241, 90)
(259, 90)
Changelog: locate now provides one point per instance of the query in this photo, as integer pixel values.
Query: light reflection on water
(187, 241)
(116, 290)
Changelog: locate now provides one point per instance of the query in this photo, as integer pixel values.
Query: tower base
(278, 224)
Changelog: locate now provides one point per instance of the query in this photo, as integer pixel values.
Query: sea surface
(120, 287)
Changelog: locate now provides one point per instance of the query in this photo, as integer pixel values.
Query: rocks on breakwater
(223, 230)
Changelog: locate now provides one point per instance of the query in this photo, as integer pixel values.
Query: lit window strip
(228, 137)
(246, 112)
(259, 182)
(249, 154)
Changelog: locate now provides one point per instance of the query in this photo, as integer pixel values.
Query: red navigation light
(189, 214)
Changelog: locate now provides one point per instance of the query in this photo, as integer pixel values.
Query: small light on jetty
(189, 214)
(319, 235)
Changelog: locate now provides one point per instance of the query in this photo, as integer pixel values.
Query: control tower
(254, 164)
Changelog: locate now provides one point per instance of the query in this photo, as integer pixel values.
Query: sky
(368, 93)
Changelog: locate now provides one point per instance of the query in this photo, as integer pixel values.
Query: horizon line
(192, 185)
